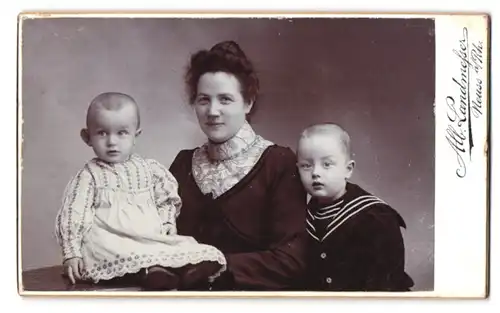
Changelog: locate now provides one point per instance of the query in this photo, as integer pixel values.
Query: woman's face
(219, 106)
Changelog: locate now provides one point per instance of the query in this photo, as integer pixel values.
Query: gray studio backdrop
(375, 77)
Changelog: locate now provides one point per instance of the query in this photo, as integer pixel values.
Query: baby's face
(112, 134)
(323, 166)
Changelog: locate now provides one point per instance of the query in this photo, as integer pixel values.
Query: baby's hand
(73, 268)
(169, 229)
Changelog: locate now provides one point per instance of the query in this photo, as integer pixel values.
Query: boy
(355, 242)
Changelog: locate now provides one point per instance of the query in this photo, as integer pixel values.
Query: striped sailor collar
(318, 207)
(354, 201)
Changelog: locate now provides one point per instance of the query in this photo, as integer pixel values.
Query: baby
(355, 241)
(118, 216)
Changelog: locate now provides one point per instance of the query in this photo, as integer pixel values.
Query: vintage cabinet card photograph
(262, 155)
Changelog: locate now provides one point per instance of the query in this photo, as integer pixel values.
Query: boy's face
(323, 166)
(112, 133)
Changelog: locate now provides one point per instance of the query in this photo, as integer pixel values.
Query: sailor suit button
(328, 280)
(323, 255)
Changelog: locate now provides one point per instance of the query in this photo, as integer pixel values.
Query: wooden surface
(51, 279)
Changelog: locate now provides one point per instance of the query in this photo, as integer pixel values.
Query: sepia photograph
(166, 154)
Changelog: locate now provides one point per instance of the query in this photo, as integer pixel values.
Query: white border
(461, 203)
(210, 14)
(461, 254)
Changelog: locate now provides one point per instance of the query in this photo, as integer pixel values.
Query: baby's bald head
(111, 101)
(331, 130)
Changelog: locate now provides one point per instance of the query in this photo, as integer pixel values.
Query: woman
(241, 193)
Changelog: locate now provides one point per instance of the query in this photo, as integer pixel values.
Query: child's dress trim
(98, 221)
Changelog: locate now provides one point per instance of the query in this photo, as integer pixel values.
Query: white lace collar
(233, 147)
(218, 167)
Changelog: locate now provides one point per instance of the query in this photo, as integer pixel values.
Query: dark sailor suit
(355, 244)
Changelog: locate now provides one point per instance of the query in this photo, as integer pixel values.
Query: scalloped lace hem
(120, 268)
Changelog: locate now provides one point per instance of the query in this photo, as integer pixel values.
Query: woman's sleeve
(167, 199)
(282, 265)
(73, 218)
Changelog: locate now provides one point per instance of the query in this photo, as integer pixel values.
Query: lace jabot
(218, 167)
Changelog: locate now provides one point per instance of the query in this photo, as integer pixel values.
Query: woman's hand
(73, 268)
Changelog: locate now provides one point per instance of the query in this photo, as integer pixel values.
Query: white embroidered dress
(120, 218)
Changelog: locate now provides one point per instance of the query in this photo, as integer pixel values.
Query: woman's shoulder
(182, 161)
(281, 151)
(280, 155)
(275, 160)
(186, 152)
(275, 163)
(184, 155)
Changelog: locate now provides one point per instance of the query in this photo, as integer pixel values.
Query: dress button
(328, 280)
(323, 255)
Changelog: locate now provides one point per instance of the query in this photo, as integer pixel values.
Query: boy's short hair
(112, 101)
(330, 129)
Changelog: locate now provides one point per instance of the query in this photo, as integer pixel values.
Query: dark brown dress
(259, 223)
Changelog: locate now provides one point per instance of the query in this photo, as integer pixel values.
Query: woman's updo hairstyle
(226, 56)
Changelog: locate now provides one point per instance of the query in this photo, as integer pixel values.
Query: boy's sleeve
(167, 199)
(74, 216)
(384, 251)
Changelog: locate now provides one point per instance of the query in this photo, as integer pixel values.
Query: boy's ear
(138, 132)
(84, 134)
(350, 168)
